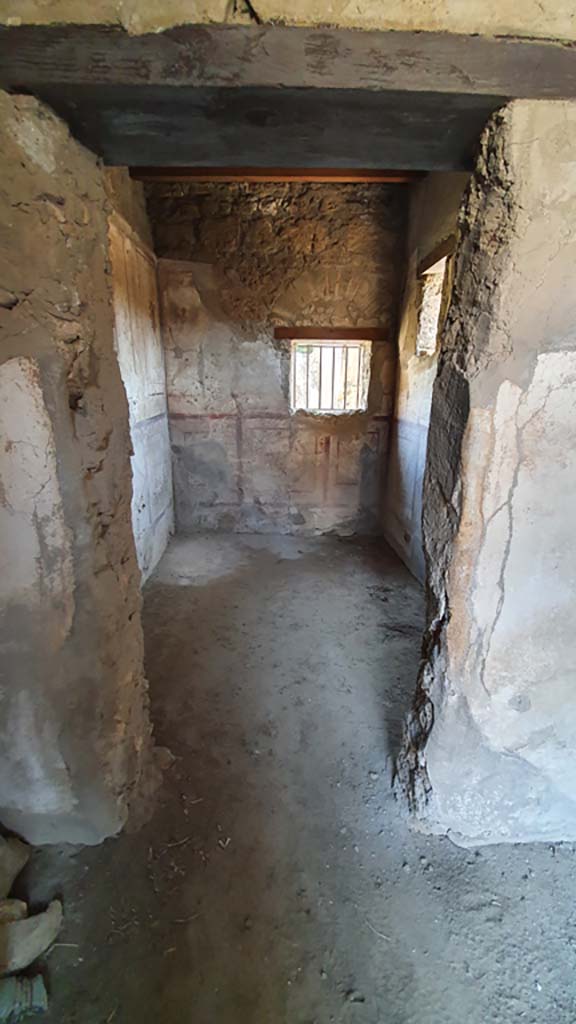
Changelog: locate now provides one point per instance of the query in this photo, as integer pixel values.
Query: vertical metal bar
(308, 376)
(333, 372)
(319, 347)
(359, 350)
(345, 377)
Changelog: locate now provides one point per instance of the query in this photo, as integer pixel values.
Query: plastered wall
(236, 260)
(490, 747)
(434, 207)
(141, 359)
(75, 746)
(539, 18)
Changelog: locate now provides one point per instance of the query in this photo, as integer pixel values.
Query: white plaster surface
(35, 559)
(540, 18)
(75, 744)
(36, 576)
(433, 218)
(141, 359)
(501, 753)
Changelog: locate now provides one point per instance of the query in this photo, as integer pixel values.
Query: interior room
(287, 572)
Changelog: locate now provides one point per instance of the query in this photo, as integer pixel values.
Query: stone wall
(141, 359)
(547, 19)
(127, 198)
(75, 743)
(490, 750)
(434, 207)
(236, 260)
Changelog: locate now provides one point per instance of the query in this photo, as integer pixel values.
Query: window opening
(329, 376)
(431, 283)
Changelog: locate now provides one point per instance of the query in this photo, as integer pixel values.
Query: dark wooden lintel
(33, 56)
(343, 129)
(444, 248)
(263, 96)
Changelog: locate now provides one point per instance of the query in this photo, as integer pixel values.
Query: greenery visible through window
(330, 376)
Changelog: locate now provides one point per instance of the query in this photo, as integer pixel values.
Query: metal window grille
(330, 376)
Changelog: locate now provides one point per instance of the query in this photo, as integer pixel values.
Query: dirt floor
(278, 882)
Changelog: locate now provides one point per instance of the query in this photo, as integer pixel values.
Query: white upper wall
(544, 19)
(433, 219)
(141, 360)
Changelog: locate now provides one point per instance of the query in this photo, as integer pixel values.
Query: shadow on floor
(279, 671)
(277, 882)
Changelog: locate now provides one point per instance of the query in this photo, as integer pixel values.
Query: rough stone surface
(545, 18)
(238, 260)
(495, 692)
(141, 359)
(129, 202)
(287, 251)
(24, 939)
(433, 219)
(76, 737)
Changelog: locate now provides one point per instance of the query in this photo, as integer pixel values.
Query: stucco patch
(490, 747)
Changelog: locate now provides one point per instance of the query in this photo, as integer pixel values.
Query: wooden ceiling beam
(38, 56)
(280, 129)
(254, 96)
(273, 174)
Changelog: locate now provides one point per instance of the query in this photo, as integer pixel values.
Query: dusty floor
(277, 882)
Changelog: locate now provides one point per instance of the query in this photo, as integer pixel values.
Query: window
(431, 284)
(329, 376)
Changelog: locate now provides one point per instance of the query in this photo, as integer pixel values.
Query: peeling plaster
(495, 698)
(35, 557)
(236, 260)
(76, 750)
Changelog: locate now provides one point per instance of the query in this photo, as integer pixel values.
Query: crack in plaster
(508, 505)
